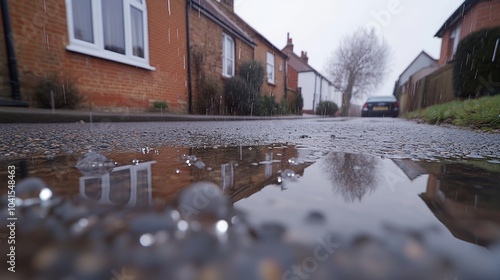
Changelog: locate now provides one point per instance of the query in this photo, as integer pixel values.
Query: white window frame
(271, 77)
(96, 48)
(455, 35)
(226, 39)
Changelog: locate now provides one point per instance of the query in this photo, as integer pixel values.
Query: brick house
(313, 85)
(471, 16)
(216, 32)
(122, 60)
(218, 47)
(266, 53)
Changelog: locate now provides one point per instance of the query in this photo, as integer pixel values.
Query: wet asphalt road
(384, 137)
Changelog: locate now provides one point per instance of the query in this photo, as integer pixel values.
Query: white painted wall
(422, 61)
(307, 83)
(316, 88)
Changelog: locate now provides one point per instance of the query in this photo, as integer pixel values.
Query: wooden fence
(433, 89)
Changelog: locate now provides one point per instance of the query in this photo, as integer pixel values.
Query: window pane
(270, 58)
(113, 26)
(229, 48)
(229, 67)
(137, 32)
(82, 20)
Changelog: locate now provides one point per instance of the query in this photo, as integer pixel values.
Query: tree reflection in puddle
(352, 175)
(374, 208)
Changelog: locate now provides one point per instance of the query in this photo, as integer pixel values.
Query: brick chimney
(289, 45)
(304, 57)
(229, 4)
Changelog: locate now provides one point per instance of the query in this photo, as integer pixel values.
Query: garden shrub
(65, 93)
(297, 104)
(327, 108)
(161, 105)
(242, 91)
(267, 106)
(476, 69)
(210, 96)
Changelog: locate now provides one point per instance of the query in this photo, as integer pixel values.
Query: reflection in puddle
(353, 176)
(469, 206)
(125, 185)
(385, 217)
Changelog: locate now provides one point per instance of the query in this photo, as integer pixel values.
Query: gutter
(457, 15)
(188, 47)
(221, 23)
(11, 58)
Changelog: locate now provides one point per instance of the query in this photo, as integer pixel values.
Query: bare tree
(358, 65)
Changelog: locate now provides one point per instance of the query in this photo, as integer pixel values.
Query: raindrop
(200, 164)
(315, 217)
(146, 240)
(175, 215)
(287, 175)
(221, 226)
(135, 162)
(182, 225)
(80, 225)
(94, 164)
(293, 161)
(495, 51)
(177, 171)
(45, 194)
(204, 202)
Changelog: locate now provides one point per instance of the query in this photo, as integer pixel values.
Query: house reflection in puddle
(163, 173)
(129, 185)
(466, 199)
(227, 176)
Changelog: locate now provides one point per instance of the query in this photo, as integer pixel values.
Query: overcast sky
(316, 26)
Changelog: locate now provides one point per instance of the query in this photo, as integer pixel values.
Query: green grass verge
(483, 113)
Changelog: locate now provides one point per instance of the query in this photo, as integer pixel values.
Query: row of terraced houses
(130, 54)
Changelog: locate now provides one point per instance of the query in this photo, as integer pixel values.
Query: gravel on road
(394, 138)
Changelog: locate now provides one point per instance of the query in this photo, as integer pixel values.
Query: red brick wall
(42, 36)
(483, 15)
(5, 88)
(206, 36)
(278, 88)
(292, 78)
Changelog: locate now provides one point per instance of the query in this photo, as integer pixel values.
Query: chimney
(289, 45)
(304, 58)
(229, 4)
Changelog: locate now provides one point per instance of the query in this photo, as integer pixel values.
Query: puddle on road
(384, 216)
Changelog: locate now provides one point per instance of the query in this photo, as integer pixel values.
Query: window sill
(271, 83)
(103, 55)
(227, 76)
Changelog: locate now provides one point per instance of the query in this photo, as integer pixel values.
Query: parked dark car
(381, 106)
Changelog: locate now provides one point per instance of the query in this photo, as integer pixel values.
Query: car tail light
(396, 104)
(365, 106)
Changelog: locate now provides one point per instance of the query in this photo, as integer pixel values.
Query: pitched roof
(296, 63)
(423, 53)
(255, 32)
(457, 15)
(215, 13)
(300, 66)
